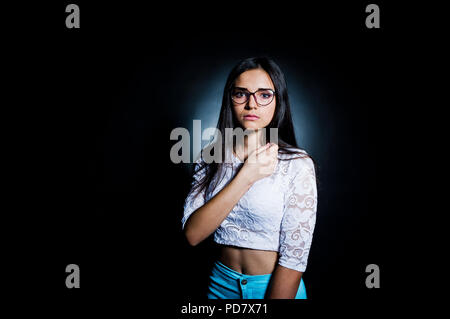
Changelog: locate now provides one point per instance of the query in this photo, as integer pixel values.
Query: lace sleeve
(193, 202)
(299, 217)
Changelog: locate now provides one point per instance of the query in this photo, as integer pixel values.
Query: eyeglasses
(262, 97)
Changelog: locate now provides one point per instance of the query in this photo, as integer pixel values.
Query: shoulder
(199, 160)
(199, 167)
(296, 162)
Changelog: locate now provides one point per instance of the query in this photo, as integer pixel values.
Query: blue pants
(226, 283)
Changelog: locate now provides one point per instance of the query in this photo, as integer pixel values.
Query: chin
(252, 126)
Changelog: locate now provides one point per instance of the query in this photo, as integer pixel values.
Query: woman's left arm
(284, 283)
(296, 231)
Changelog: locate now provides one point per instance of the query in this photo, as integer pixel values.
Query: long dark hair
(282, 118)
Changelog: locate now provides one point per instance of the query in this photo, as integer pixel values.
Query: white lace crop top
(277, 213)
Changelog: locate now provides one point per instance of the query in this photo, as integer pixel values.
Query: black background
(101, 101)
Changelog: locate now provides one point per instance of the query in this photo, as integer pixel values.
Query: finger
(262, 148)
(273, 149)
(255, 154)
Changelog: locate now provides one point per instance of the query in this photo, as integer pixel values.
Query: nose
(252, 102)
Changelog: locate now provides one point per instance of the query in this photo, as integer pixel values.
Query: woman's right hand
(261, 162)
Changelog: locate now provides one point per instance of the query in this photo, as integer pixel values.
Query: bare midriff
(248, 261)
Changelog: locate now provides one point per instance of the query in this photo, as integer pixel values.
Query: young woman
(260, 201)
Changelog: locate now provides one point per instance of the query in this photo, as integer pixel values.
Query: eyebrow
(241, 88)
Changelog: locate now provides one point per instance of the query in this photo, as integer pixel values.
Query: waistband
(233, 274)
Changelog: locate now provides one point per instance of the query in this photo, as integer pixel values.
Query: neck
(251, 143)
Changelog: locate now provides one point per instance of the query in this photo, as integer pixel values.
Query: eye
(238, 94)
(266, 94)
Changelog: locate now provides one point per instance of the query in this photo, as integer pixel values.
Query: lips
(251, 117)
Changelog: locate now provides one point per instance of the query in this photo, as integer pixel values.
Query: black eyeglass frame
(248, 94)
